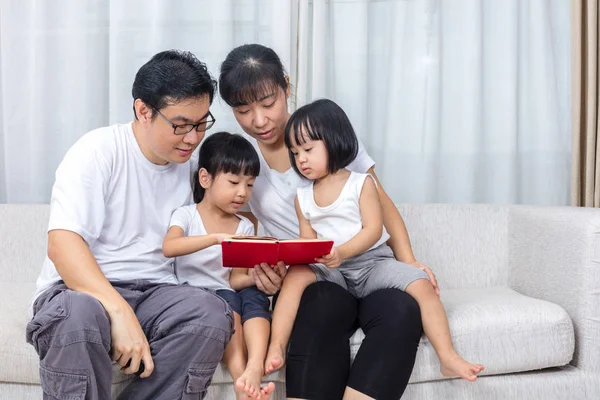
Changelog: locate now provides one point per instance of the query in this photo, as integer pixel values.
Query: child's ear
(204, 178)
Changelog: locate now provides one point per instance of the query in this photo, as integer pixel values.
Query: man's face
(161, 145)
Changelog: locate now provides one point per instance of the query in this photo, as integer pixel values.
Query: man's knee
(70, 317)
(199, 312)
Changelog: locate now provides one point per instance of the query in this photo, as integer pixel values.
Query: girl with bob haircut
(254, 83)
(227, 168)
(344, 206)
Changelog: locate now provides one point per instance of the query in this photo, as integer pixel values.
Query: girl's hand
(220, 237)
(429, 273)
(331, 260)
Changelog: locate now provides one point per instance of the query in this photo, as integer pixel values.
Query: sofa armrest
(554, 255)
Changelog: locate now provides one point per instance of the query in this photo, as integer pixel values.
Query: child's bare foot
(266, 391)
(249, 383)
(456, 366)
(275, 358)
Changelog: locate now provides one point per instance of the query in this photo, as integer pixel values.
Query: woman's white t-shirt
(203, 268)
(272, 200)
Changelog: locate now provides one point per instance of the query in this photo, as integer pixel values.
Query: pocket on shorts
(199, 377)
(63, 385)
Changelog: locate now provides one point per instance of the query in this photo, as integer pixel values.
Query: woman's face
(265, 119)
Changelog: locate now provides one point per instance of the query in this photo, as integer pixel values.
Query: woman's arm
(394, 224)
(239, 279)
(252, 219)
(399, 240)
(176, 244)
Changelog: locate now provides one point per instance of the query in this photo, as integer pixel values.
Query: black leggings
(318, 362)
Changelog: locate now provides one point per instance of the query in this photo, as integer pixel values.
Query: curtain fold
(585, 187)
(462, 101)
(457, 101)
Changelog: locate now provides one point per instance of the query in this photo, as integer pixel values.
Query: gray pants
(370, 271)
(187, 328)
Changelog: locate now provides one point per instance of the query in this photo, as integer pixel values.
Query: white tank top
(341, 220)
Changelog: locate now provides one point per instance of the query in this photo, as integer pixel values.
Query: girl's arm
(176, 244)
(306, 231)
(239, 279)
(372, 221)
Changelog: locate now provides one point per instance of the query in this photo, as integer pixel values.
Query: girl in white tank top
(344, 206)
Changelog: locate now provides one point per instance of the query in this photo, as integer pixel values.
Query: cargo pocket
(62, 385)
(199, 377)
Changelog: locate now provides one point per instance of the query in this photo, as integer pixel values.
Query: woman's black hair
(250, 73)
(170, 77)
(224, 152)
(323, 120)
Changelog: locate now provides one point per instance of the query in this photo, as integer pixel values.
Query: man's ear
(204, 178)
(142, 111)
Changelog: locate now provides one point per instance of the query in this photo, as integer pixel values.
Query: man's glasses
(201, 126)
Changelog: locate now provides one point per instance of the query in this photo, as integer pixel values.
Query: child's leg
(435, 325)
(297, 279)
(378, 269)
(256, 318)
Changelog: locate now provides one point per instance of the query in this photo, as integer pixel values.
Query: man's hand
(129, 343)
(268, 278)
(331, 260)
(429, 273)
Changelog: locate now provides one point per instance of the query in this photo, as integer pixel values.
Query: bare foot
(249, 383)
(456, 366)
(266, 391)
(275, 358)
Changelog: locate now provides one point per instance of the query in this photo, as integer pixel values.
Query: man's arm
(80, 271)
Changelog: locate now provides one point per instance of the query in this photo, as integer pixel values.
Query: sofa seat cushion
(20, 362)
(499, 328)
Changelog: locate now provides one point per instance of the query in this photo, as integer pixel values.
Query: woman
(254, 83)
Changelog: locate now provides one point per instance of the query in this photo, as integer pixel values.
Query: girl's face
(265, 119)
(311, 158)
(227, 191)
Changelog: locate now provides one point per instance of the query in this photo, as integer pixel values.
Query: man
(106, 292)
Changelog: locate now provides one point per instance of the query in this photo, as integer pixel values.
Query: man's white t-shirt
(120, 203)
(341, 220)
(272, 201)
(203, 268)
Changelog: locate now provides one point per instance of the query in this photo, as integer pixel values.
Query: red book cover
(248, 251)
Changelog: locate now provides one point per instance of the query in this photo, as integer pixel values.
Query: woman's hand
(268, 278)
(429, 273)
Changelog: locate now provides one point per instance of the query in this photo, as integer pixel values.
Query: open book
(248, 251)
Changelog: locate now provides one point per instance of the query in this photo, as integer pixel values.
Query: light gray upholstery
(521, 286)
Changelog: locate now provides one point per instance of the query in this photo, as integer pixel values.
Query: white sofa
(521, 286)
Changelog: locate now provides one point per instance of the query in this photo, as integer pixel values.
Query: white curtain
(67, 67)
(457, 100)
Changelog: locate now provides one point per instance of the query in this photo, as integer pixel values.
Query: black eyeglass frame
(208, 122)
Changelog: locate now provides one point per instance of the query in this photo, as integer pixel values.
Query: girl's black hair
(323, 120)
(224, 152)
(250, 73)
(169, 77)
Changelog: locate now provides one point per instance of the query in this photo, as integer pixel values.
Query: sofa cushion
(500, 328)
